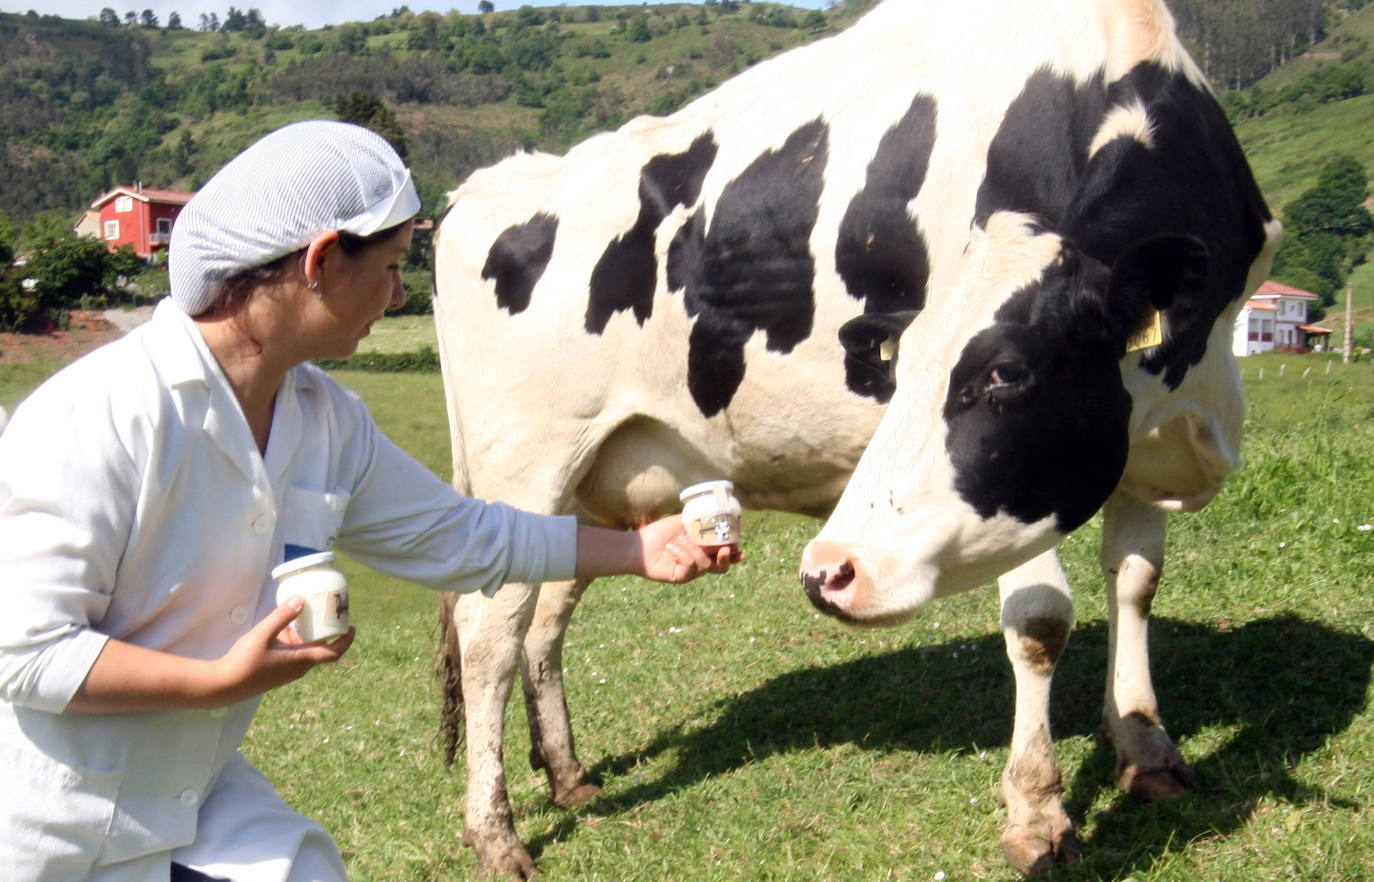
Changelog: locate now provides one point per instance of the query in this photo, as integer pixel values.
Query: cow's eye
(1008, 374)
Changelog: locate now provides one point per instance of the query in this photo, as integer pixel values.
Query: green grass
(742, 736)
(401, 333)
(1287, 151)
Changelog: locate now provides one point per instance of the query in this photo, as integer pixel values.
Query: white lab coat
(134, 504)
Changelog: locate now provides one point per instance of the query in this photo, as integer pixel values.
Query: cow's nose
(831, 578)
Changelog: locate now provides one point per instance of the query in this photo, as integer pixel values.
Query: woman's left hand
(669, 555)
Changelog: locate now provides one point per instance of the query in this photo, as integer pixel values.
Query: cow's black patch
(627, 273)
(1037, 421)
(1036, 412)
(1037, 158)
(752, 270)
(518, 258)
(1193, 181)
(879, 252)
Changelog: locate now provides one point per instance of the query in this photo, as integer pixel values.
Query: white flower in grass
(939, 875)
(1365, 528)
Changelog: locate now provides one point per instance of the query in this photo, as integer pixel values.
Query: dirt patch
(84, 332)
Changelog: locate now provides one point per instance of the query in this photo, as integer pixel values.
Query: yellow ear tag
(888, 348)
(1150, 335)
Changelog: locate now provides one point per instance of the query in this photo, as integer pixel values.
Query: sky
(311, 13)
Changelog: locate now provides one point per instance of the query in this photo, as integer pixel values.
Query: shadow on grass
(1283, 684)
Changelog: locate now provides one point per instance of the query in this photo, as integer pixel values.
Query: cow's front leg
(490, 633)
(551, 736)
(1148, 764)
(1037, 615)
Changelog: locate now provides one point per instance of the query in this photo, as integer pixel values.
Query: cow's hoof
(504, 857)
(576, 797)
(1155, 785)
(507, 863)
(1033, 854)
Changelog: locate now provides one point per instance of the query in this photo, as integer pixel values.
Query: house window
(164, 226)
(112, 229)
(124, 204)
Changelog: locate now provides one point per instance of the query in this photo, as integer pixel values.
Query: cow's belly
(639, 469)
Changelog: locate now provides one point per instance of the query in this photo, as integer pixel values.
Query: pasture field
(741, 736)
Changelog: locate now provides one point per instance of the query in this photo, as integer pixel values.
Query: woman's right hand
(272, 655)
(126, 677)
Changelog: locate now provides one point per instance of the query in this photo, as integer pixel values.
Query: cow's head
(1009, 423)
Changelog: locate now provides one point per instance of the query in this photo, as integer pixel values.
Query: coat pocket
(57, 817)
(312, 520)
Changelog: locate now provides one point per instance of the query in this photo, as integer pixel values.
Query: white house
(1276, 318)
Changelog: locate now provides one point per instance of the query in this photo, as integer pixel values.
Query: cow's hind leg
(490, 632)
(551, 736)
(1148, 764)
(1037, 615)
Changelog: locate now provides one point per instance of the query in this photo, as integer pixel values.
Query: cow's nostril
(844, 575)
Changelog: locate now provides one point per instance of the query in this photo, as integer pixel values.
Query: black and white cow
(1027, 226)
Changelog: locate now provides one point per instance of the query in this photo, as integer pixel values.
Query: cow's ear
(870, 352)
(1146, 280)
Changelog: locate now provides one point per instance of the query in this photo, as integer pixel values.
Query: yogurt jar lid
(300, 563)
(705, 487)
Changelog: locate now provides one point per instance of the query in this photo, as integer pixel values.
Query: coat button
(189, 798)
(262, 524)
(238, 615)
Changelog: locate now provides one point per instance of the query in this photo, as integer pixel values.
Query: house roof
(1260, 304)
(145, 194)
(1315, 329)
(1270, 289)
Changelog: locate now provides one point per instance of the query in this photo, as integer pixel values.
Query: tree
(1336, 203)
(131, 18)
(254, 25)
(148, 19)
(234, 20)
(109, 17)
(639, 31)
(1328, 229)
(69, 270)
(367, 109)
(173, 21)
(7, 234)
(485, 6)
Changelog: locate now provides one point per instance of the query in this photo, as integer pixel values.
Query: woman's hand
(669, 555)
(272, 654)
(659, 551)
(126, 677)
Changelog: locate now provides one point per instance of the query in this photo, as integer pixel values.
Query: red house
(138, 216)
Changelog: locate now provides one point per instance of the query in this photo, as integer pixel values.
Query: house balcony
(157, 239)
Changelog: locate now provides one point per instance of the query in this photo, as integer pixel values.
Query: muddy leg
(1037, 615)
(551, 735)
(1147, 763)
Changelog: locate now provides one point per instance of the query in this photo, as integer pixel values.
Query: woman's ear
(312, 262)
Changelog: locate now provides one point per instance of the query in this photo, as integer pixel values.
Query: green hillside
(89, 105)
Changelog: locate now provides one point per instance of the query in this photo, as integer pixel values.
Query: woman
(147, 490)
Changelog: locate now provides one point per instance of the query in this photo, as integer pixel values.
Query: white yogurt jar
(711, 514)
(324, 589)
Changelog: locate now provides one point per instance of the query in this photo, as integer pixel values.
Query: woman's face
(356, 290)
